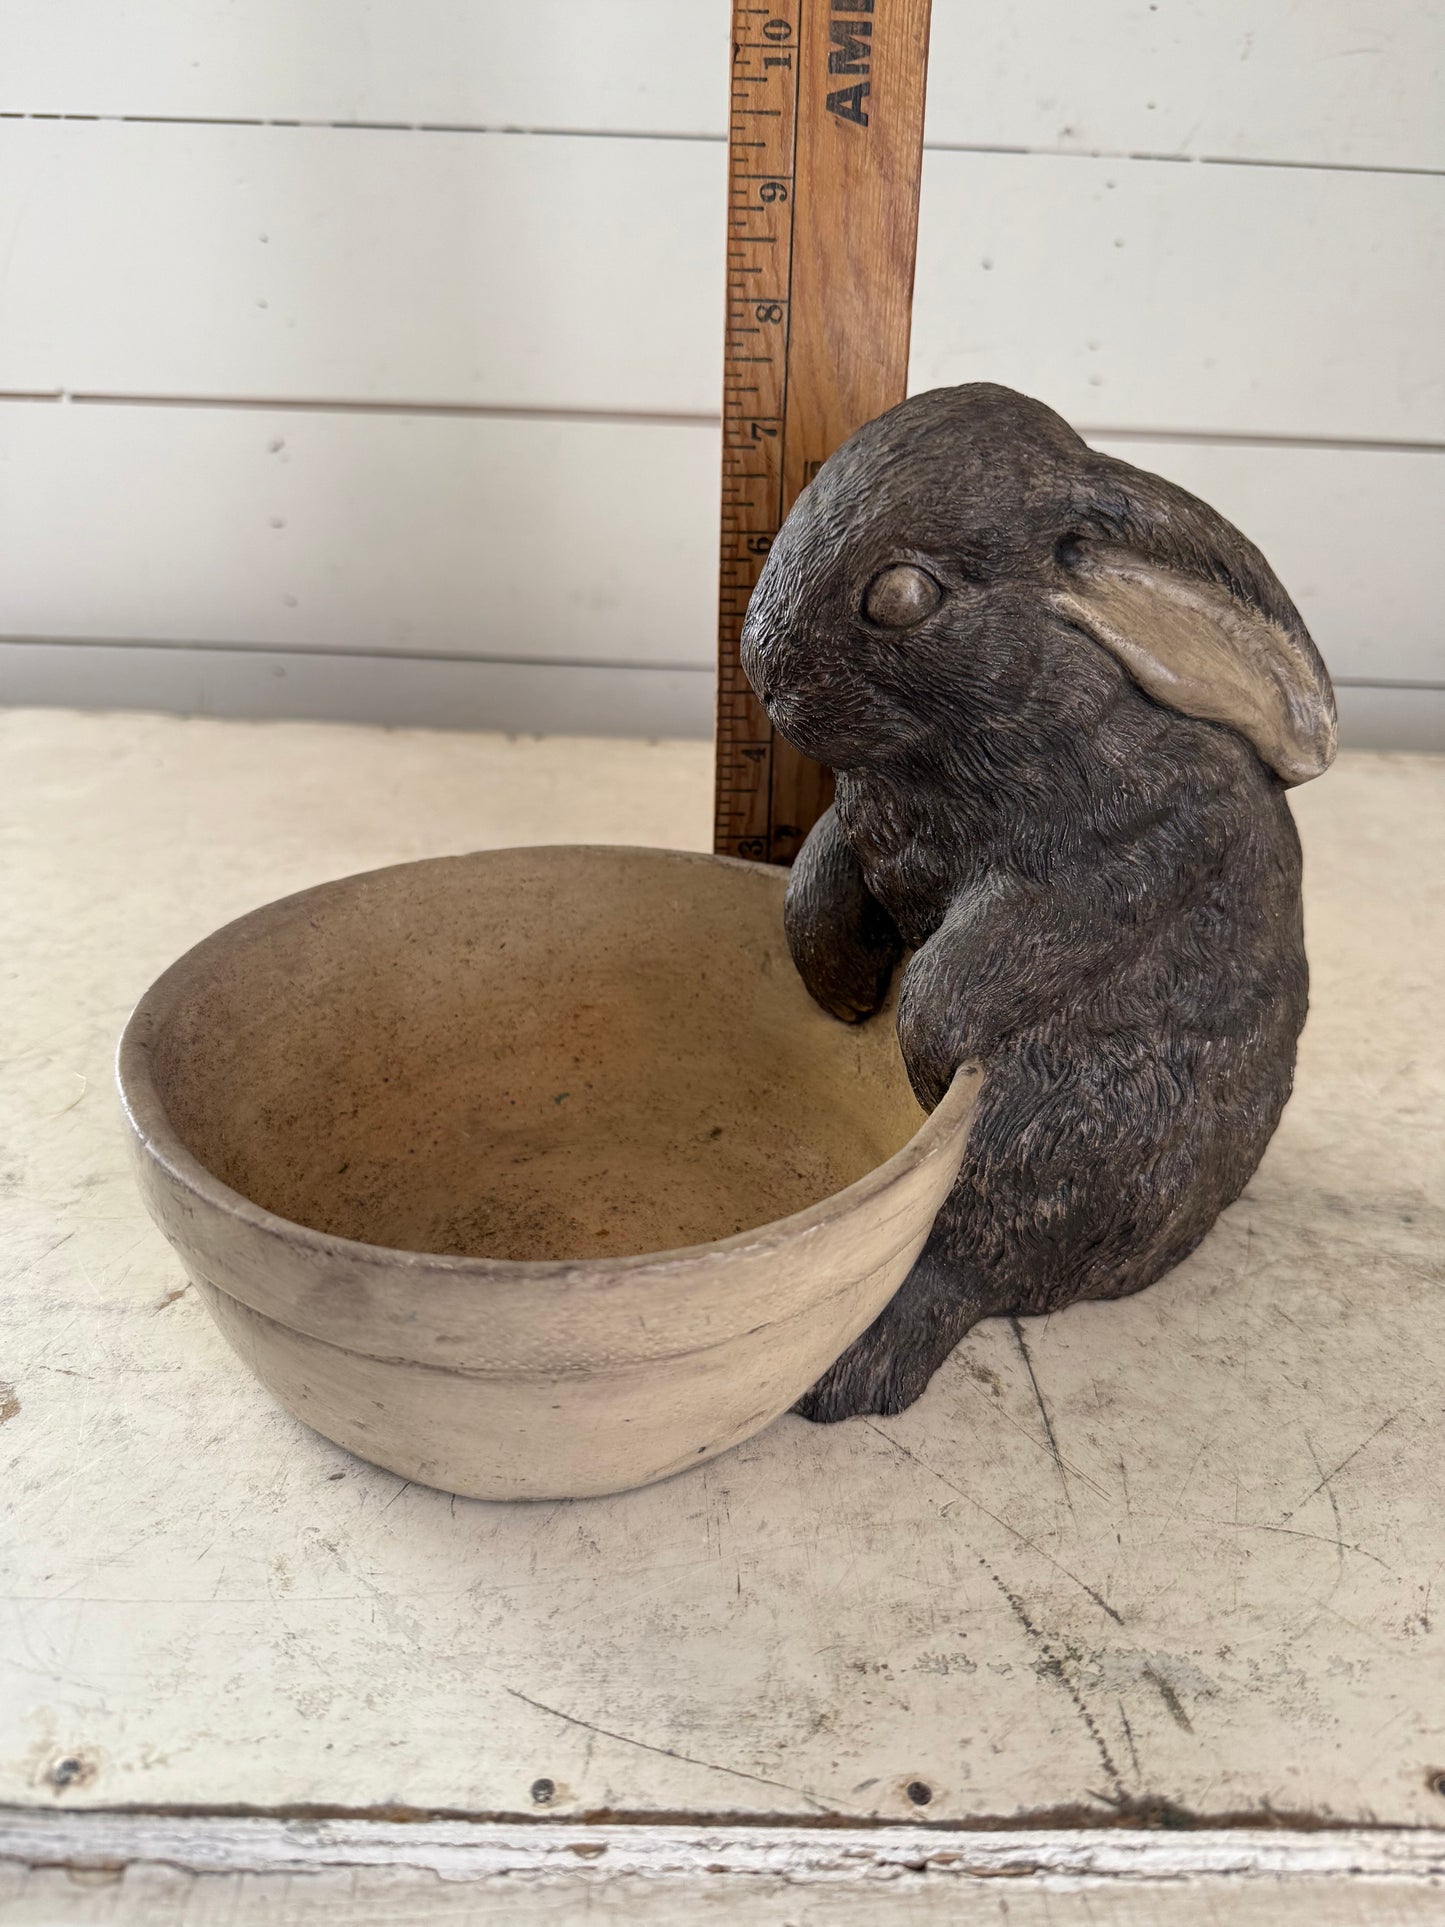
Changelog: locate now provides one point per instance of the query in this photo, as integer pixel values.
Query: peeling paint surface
(1184, 1552)
(108, 1870)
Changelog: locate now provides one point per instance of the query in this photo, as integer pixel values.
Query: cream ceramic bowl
(533, 1173)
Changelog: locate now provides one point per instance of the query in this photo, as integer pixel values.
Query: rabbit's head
(965, 567)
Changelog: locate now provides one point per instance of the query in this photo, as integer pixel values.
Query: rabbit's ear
(1194, 645)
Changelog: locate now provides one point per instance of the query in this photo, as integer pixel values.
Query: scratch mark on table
(1023, 1538)
(1334, 1513)
(1052, 1667)
(1172, 1702)
(33, 1264)
(666, 1752)
(1325, 1478)
(1204, 1444)
(1018, 1331)
(1293, 1532)
(1335, 1470)
(997, 1410)
(1129, 1736)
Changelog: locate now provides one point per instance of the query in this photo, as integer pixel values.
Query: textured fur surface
(1100, 895)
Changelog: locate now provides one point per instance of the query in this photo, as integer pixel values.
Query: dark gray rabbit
(1063, 699)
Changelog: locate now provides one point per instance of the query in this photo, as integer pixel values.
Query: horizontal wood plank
(646, 66)
(329, 686)
(577, 541)
(581, 542)
(292, 263)
(1151, 295)
(1328, 83)
(1241, 79)
(97, 1870)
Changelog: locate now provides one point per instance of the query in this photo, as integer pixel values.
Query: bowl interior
(537, 1054)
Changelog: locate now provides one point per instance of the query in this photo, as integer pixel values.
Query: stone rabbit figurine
(1063, 699)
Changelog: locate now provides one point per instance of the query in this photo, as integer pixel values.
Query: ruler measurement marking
(760, 229)
(821, 217)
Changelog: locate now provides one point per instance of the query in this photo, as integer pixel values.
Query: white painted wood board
(1328, 84)
(64, 1869)
(158, 1896)
(1297, 299)
(575, 542)
(1257, 301)
(644, 66)
(1331, 83)
(295, 263)
(1217, 1588)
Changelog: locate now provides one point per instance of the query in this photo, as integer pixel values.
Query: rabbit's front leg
(947, 1291)
(889, 1367)
(844, 943)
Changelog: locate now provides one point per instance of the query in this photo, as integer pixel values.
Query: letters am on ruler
(825, 149)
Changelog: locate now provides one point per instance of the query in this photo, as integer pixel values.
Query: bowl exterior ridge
(480, 1315)
(703, 1299)
(533, 1437)
(541, 1431)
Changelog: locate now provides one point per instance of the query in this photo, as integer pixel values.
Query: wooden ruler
(825, 147)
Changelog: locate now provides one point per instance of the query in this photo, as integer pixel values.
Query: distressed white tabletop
(1187, 1550)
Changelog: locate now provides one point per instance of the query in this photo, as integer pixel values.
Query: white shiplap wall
(361, 357)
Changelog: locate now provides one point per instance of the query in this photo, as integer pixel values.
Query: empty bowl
(532, 1173)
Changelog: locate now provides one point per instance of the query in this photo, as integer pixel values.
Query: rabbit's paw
(866, 1379)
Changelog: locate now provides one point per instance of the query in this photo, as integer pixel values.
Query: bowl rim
(157, 1142)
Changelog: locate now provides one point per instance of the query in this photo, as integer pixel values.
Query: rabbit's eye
(901, 595)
